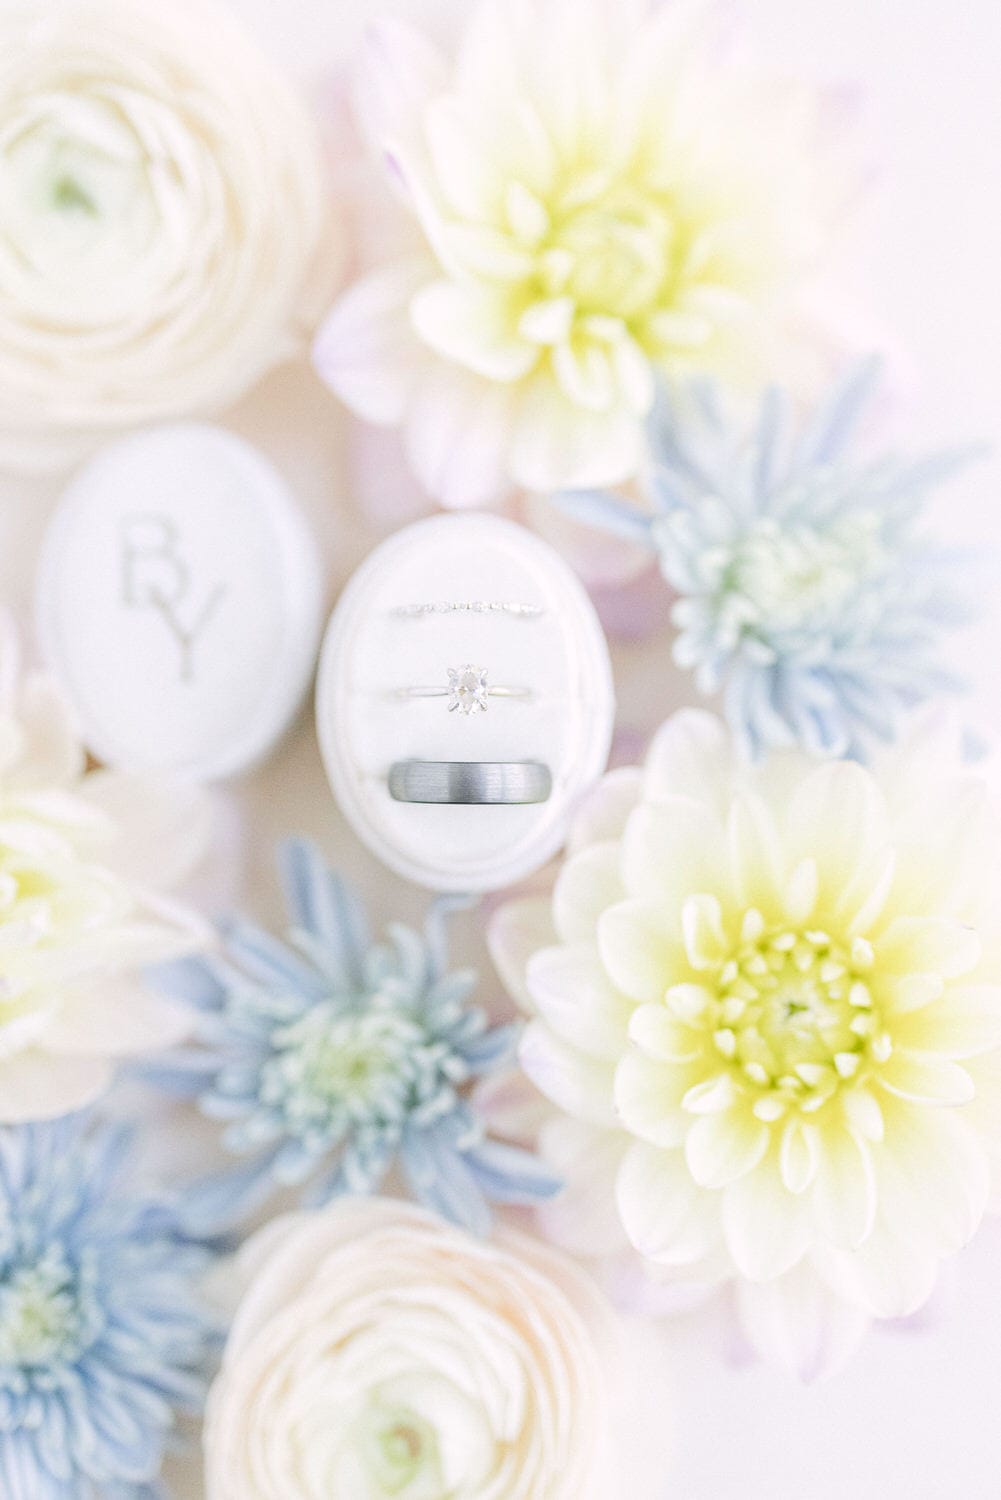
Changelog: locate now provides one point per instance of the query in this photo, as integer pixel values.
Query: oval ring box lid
(395, 628)
(179, 601)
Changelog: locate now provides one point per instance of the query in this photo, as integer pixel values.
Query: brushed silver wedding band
(470, 782)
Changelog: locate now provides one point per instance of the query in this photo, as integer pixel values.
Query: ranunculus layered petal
(378, 1352)
(162, 202)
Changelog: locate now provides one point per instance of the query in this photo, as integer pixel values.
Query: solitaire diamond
(467, 689)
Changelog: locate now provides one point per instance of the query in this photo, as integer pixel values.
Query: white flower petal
(519, 929)
(839, 812)
(657, 1032)
(577, 1001)
(456, 434)
(588, 883)
(964, 1021)
(924, 1079)
(755, 857)
(399, 72)
(367, 351)
(691, 756)
(799, 1324)
(37, 1085)
(641, 957)
(605, 809)
(939, 1152)
(799, 1155)
(581, 1085)
(844, 1191)
(666, 1216)
(583, 1218)
(719, 1148)
(671, 850)
(114, 1018)
(559, 445)
(889, 1276)
(465, 172)
(648, 1097)
(55, 757)
(165, 828)
(928, 945)
(767, 1229)
(475, 327)
(707, 943)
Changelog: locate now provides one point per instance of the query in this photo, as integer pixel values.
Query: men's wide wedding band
(479, 782)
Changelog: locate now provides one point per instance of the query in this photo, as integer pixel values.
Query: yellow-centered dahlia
(593, 192)
(774, 1002)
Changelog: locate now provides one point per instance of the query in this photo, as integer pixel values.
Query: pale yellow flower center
(793, 1017)
(609, 248)
(606, 258)
(41, 1320)
(401, 1450)
(782, 576)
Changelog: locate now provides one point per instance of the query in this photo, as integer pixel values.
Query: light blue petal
(834, 424)
(605, 512)
(507, 1174)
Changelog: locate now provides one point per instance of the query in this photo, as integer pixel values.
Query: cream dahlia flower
(769, 1003)
(379, 1352)
(76, 918)
(595, 194)
(161, 205)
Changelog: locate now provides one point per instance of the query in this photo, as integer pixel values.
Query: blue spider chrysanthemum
(102, 1337)
(807, 593)
(334, 1060)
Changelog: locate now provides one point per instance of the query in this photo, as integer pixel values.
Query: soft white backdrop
(917, 1416)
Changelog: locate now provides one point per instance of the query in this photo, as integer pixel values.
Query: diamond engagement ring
(467, 690)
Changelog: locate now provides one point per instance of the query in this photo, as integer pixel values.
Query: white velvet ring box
(463, 639)
(179, 602)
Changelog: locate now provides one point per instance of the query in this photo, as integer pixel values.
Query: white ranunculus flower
(378, 1352)
(768, 1006)
(161, 209)
(595, 193)
(79, 853)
